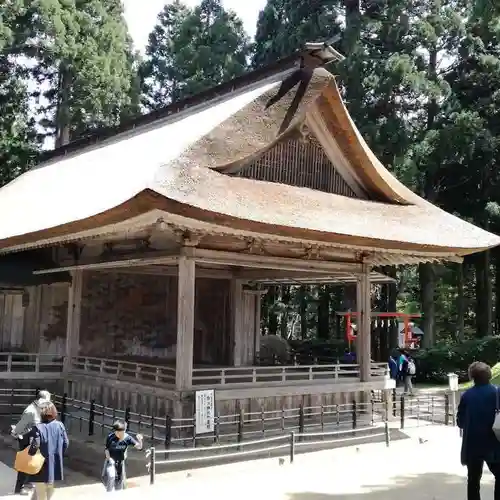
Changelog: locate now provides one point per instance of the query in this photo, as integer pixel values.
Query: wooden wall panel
(212, 330)
(52, 319)
(298, 163)
(11, 321)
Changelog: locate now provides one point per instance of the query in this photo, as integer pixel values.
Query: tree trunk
(483, 295)
(460, 326)
(323, 325)
(383, 324)
(303, 311)
(392, 296)
(273, 318)
(426, 273)
(350, 46)
(63, 114)
(497, 291)
(285, 299)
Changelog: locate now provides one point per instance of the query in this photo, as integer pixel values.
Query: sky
(141, 15)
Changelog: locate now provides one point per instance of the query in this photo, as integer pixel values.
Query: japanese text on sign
(205, 411)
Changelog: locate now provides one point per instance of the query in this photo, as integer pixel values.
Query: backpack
(412, 369)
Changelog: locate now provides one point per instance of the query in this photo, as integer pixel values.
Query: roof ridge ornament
(314, 56)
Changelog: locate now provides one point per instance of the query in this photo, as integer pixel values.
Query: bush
(307, 352)
(434, 364)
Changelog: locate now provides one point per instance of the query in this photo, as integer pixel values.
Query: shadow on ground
(8, 454)
(429, 486)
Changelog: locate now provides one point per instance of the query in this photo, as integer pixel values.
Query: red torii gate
(405, 316)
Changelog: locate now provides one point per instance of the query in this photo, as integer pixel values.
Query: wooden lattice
(298, 163)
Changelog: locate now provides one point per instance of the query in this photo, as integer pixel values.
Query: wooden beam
(74, 317)
(273, 274)
(264, 261)
(143, 259)
(185, 324)
(153, 270)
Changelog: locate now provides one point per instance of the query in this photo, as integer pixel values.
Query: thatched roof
(178, 165)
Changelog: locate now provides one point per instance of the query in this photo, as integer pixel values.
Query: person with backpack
(408, 370)
(476, 417)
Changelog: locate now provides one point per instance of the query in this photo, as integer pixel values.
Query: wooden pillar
(237, 321)
(250, 331)
(185, 324)
(74, 316)
(364, 327)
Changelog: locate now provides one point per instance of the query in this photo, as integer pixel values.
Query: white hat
(43, 398)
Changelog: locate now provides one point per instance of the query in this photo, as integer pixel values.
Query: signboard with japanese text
(205, 411)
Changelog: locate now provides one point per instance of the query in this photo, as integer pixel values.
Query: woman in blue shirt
(51, 439)
(116, 452)
(475, 416)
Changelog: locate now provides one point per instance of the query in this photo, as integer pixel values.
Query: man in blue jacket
(476, 414)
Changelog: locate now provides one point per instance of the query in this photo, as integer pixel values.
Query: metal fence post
(446, 409)
(216, 428)
(387, 434)
(301, 421)
(394, 403)
(292, 446)
(241, 423)
(92, 417)
(12, 396)
(386, 406)
(63, 408)
(354, 415)
(168, 433)
(152, 429)
(193, 437)
(127, 416)
(152, 465)
(402, 412)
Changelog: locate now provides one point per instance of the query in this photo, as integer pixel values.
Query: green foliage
(435, 363)
(18, 137)
(317, 351)
(190, 50)
(284, 26)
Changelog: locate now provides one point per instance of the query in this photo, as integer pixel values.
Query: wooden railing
(30, 365)
(252, 375)
(27, 365)
(379, 370)
(118, 369)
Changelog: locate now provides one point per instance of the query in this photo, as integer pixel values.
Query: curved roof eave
(307, 226)
(173, 168)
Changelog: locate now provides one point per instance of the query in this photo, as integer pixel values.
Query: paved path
(424, 467)
(7, 480)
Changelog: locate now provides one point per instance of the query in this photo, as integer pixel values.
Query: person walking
(50, 437)
(393, 367)
(117, 443)
(475, 416)
(407, 370)
(29, 419)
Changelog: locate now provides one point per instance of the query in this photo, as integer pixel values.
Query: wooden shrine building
(138, 255)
